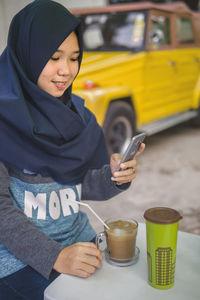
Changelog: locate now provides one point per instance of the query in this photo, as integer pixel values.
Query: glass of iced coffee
(121, 247)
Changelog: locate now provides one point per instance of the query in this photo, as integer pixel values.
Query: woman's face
(60, 71)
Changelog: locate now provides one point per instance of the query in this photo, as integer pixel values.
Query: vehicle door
(159, 68)
(187, 60)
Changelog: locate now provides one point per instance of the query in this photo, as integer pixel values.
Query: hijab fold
(39, 132)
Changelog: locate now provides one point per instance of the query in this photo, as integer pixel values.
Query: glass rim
(122, 219)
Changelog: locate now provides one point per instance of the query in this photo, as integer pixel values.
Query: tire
(196, 121)
(119, 126)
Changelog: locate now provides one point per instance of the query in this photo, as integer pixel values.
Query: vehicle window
(159, 32)
(184, 31)
(114, 31)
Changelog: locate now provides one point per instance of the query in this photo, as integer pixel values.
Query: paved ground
(169, 175)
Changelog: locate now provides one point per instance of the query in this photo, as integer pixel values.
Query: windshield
(114, 31)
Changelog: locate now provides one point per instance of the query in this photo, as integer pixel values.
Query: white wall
(2, 27)
(8, 8)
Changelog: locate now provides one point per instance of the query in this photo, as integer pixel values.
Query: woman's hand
(128, 169)
(80, 259)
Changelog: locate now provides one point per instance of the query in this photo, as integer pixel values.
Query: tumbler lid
(162, 215)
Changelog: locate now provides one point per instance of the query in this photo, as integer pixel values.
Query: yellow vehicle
(141, 68)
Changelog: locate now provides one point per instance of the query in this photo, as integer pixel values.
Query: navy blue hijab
(39, 132)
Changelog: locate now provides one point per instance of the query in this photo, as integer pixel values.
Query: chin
(57, 94)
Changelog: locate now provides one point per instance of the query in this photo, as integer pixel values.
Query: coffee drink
(121, 239)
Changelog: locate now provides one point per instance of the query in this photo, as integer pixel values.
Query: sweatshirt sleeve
(97, 185)
(20, 236)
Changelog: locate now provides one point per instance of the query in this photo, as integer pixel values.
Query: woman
(52, 150)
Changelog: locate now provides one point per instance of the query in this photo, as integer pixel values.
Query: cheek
(42, 81)
(44, 77)
(47, 72)
(75, 70)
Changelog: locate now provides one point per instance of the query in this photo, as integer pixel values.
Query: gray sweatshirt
(37, 220)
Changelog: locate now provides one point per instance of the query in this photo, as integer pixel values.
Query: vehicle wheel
(119, 126)
(196, 121)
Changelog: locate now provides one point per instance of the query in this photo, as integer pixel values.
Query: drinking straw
(87, 205)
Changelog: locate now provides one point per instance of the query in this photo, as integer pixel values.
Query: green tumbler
(161, 234)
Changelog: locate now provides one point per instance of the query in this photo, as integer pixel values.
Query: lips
(61, 85)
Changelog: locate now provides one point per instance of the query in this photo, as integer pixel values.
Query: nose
(64, 69)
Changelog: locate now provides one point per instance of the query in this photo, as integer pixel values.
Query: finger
(124, 179)
(81, 273)
(92, 251)
(129, 164)
(114, 161)
(126, 172)
(91, 260)
(141, 149)
(87, 268)
(116, 157)
(78, 270)
(87, 244)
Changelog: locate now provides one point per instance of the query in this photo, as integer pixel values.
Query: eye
(54, 58)
(75, 58)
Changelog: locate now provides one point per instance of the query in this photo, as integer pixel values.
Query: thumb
(116, 157)
(114, 161)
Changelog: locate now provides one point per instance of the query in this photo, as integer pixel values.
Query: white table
(129, 283)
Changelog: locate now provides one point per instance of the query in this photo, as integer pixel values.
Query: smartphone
(132, 148)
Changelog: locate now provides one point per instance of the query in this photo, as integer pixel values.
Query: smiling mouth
(60, 85)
